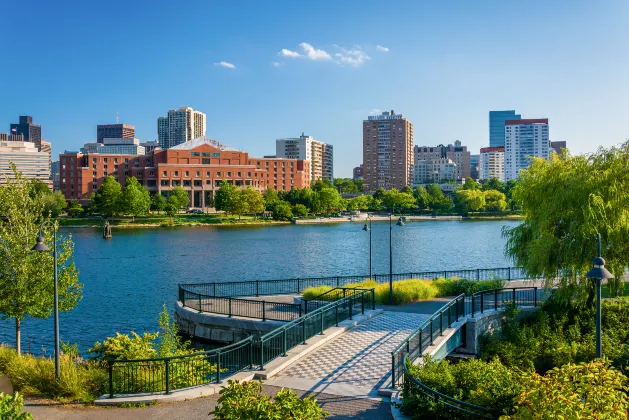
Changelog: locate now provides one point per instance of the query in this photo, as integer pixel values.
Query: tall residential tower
(30, 131)
(524, 140)
(320, 155)
(387, 151)
(180, 126)
(497, 126)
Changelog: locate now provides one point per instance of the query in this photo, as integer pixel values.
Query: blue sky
(73, 65)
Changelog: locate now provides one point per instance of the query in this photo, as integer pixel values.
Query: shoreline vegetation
(220, 219)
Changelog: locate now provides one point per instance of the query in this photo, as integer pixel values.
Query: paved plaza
(357, 363)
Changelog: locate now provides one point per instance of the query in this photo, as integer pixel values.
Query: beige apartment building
(28, 160)
(387, 151)
(456, 152)
(320, 155)
(492, 163)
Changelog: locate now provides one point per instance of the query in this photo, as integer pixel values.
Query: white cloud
(356, 57)
(225, 64)
(375, 111)
(277, 64)
(289, 53)
(313, 53)
(382, 49)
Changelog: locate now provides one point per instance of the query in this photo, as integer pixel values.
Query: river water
(127, 279)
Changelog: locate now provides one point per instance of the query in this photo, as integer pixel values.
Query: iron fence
(165, 374)
(336, 293)
(298, 285)
(246, 308)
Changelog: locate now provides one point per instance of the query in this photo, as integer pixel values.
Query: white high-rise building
(492, 163)
(524, 139)
(28, 160)
(180, 126)
(320, 155)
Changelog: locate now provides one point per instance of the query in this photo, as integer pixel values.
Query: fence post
(257, 288)
(496, 300)
(218, 366)
(230, 306)
(393, 371)
(478, 274)
(509, 277)
(214, 293)
(167, 376)
(261, 355)
(373, 299)
(336, 310)
(321, 323)
(482, 303)
(298, 285)
(440, 322)
(514, 296)
(300, 311)
(303, 331)
(456, 309)
(263, 311)
(351, 307)
(111, 378)
(535, 297)
(431, 331)
(337, 282)
(450, 314)
(182, 296)
(200, 307)
(284, 342)
(362, 303)
(473, 305)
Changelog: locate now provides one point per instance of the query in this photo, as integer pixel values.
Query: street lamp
(368, 229)
(399, 223)
(598, 272)
(42, 247)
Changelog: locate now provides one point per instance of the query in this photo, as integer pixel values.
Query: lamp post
(368, 229)
(399, 223)
(42, 247)
(598, 272)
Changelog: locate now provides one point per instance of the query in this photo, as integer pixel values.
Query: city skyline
(445, 71)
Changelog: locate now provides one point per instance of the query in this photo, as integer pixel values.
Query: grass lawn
(164, 220)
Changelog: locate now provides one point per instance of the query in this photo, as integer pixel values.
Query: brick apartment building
(199, 166)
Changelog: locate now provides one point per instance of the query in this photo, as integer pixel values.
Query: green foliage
(493, 184)
(486, 384)
(361, 202)
(566, 201)
(181, 196)
(135, 199)
(239, 201)
(470, 184)
(422, 198)
(106, 200)
(394, 199)
(158, 202)
(495, 201)
(320, 184)
(11, 407)
(69, 349)
(224, 196)
(348, 185)
(270, 198)
(74, 209)
(26, 286)
(245, 401)
(437, 200)
(379, 194)
(456, 286)
(37, 188)
(81, 380)
(327, 199)
(467, 200)
(54, 203)
(126, 347)
(299, 210)
(282, 211)
(591, 390)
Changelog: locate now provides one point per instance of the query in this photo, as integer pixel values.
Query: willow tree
(26, 277)
(565, 202)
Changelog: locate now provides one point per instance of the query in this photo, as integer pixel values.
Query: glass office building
(497, 126)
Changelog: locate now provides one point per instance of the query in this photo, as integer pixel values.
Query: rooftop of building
(492, 149)
(199, 141)
(527, 121)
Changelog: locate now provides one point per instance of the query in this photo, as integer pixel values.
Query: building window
(187, 173)
(197, 182)
(229, 174)
(93, 160)
(176, 173)
(105, 160)
(208, 181)
(198, 173)
(105, 173)
(126, 160)
(249, 174)
(239, 174)
(186, 182)
(194, 154)
(218, 174)
(165, 173)
(115, 160)
(205, 161)
(207, 174)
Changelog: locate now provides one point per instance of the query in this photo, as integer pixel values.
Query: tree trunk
(18, 336)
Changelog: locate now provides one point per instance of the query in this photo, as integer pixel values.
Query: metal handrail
(297, 285)
(322, 296)
(458, 405)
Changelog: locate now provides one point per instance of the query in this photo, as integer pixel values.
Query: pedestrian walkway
(357, 363)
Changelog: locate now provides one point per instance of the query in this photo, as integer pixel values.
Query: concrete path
(355, 364)
(340, 408)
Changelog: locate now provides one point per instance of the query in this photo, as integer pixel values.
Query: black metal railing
(166, 374)
(246, 308)
(495, 299)
(419, 340)
(332, 295)
(450, 407)
(298, 285)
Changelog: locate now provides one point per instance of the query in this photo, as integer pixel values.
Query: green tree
(320, 184)
(75, 208)
(135, 199)
(270, 198)
(422, 198)
(253, 199)
(495, 201)
(394, 199)
(345, 185)
(181, 197)
(26, 286)
(359, 183)
(282, 211)
(379, 194)
(328, 198)
(565, 202)
(54, 203)
(470, 184)
(38, 188)
(469, 200)
(438, 201)
(361, 202)
(107, 200)
(407, 190)
(158, 202)
(299, 210)
(493, 184)
(224, 197)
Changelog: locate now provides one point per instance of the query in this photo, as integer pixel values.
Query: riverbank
(161, 221)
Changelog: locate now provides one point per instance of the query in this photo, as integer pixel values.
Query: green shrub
(490, 385)
(245, 401)
(591, 390)
(456, 286)
(11, 407)
(80, 380)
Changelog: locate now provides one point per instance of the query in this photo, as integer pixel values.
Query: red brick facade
(200, 171)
